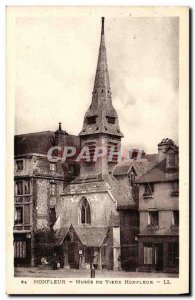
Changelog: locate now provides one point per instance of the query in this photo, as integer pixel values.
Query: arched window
(85, 214)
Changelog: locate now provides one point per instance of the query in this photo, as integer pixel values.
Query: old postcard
(98, 150)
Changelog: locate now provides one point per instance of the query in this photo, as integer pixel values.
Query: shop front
(22, 249)
(158, 253)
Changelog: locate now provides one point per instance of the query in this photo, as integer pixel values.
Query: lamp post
(91, 264)
(80, 259)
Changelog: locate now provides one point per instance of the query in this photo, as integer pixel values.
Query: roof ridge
(30, 133)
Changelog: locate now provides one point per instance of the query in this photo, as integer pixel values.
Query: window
(147, 254)
(153, 218)
(52, 167)
(175, 218)
(110, 120)
(27, 215)
(26, 187)
(19, 165)
(20, 249)
(19, 188)
(91, 120)
(173, 254)
(85, 215)
(149, 190)
(175, 191)
(18, 215)
(23, 187)
(52, 216)
(171, 160)
(52, 189)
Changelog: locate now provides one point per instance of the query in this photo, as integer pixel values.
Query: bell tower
(101, 126)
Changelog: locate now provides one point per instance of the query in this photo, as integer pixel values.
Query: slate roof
(60, 234)
(39, 142)
(158, 173)
(122, 169)
(90, 236)
(107, 183)
(115, 220)
(101, 106)
(151, 157)
(140, 167)
(121, 193)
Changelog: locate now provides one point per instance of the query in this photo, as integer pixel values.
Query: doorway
(73, 255)
(158, 256)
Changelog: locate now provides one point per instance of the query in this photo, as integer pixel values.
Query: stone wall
(101, 206)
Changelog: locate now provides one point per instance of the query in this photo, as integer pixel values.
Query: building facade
(38, 185)
(159, 212)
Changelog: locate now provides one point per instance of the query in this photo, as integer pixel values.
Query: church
(102, 213)
(92, 207)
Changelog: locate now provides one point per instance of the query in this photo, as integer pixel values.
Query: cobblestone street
(74, 273)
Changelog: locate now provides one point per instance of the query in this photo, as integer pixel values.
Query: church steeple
(101, 117)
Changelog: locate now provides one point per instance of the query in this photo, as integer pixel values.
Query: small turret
(169, 151)
(61, 136)
(163, 146)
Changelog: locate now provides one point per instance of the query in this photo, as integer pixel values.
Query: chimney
(162, 147)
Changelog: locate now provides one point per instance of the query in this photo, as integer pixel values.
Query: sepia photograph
(97, 147)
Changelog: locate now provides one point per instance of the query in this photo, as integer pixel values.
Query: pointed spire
(101, 116)
(102, 76)
(102, 32)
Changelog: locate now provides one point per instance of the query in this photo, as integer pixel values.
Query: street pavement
(75, 273)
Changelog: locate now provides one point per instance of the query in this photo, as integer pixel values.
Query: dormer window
(91, 120)
(171, 160)
(110, 120)
(52, 167)
(131, 177)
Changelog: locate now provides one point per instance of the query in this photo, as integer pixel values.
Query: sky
(55, 64)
